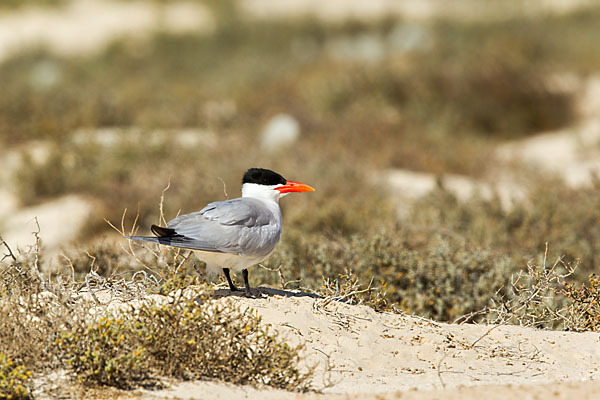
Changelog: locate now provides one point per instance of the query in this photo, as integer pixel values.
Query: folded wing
(243, 226)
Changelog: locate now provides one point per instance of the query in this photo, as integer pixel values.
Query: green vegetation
(13, 378)
(102, 352)
(185, 340)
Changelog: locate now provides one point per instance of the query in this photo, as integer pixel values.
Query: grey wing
(240, 226)
(177, 241)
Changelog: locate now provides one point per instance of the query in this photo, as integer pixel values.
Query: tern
(233, 234)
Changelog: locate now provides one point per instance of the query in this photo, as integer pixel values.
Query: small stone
(281, 131)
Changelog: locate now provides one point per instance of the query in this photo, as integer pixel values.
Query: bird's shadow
(262, 291)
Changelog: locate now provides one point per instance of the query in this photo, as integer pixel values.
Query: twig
(439, 373)
(224, 187)
(93, 261)
(161, 216)
(417, 317)
(70, 265)
(38, 249)
(10, 252)
(484, 335)
(327, 378)
(294, 328)
(466, 317)
(182, 261)
(282, 280)
(89, 288)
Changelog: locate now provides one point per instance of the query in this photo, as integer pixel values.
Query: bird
(233, 234)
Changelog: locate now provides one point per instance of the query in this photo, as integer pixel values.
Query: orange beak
(292, 186)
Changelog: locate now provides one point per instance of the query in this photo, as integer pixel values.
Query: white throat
(261, 191)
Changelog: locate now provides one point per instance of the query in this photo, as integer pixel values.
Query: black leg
(231, 285)
(245, 274)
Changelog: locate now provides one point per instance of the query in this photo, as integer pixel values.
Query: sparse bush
(522, 231)
(541, 297)
(443, 282)
(583, 312)
(221, 341)
(13, 379)
(185, 340)
(103, 352)
(533, 297)
(30, 311)
(347, 288)
(464, 95)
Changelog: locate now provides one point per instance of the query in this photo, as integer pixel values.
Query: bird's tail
(169, 237)
(152, 239)
(159, 231)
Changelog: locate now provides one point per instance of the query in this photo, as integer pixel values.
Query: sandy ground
(388, 356)
(58, 220)
(362, 354)
(555, 391)
(572, 154)
(85, 26)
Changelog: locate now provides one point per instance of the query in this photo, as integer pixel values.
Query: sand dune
(388, 355)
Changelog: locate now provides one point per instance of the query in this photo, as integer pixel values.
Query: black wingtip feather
(161, 231)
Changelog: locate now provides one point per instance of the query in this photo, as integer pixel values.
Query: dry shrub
(220, 341)
(446, 281)
(32, 310)
(348, 288)
(541, 297)
(100, 352)
(13, 379)
(583, 313)
(464, 95)
(184, 340)
(443, 282)
(533, 298)
(520, 232)
(80, 166)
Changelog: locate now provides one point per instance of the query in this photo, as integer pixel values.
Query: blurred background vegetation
(435, 95)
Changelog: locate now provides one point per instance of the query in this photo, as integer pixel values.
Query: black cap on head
(263, 176)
